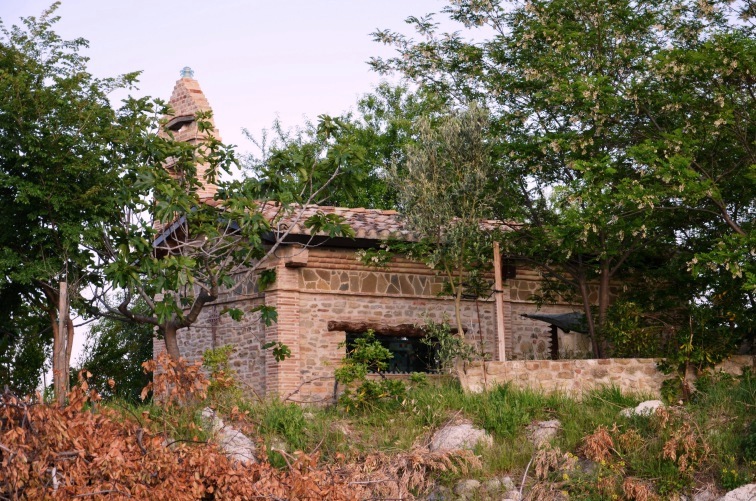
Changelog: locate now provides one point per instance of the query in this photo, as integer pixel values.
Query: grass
(713, 437)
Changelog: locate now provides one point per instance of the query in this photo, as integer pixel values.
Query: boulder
(440, 493)
(459, 436)
(236, 445)
(467, 488)
(541, 432)
(643, 409)
(499, 484)
(704, 495)
(742, 493)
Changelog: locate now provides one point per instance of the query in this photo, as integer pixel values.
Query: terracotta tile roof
(371, 224)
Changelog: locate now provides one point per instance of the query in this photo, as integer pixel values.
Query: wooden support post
(499, 300)
(59, 346)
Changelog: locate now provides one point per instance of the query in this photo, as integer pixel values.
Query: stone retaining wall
(631, 375)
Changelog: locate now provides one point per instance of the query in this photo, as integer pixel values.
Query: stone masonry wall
(531, 339)
(574, 377)
(335, 286)
(319, 285)
(319, 349)
(213, 330)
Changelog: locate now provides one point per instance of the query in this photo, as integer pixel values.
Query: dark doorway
(410, 354)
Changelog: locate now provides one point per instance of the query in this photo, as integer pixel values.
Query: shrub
(367, 355)
(447, 347)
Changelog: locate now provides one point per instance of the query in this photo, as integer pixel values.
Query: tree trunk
(57, 389)
(67, 354)
(603, 304)
(60, 343)
(170, 334)
(597, 351)
(458, 301)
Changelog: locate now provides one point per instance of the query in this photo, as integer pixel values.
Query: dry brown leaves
(49, 452)
(686, 447)
(175, 382)
(81, 451)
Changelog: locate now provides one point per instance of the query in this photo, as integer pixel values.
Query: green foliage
(209, 248)
(266, 278)
(223, 384)
(609, 126)
(280, 351)
(63, 153)
(216, 360)
(629, 332)
(749, 443)
(114, 353)
(447, 188)
(731, 477)
(669, 452)
(376, 133)
(447, 347)
(25, 343)
(419, 379)
(361, 392)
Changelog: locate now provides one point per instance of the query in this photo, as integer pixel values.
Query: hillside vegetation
(116, 449)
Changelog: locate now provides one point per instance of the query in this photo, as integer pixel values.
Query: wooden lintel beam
(406, 330)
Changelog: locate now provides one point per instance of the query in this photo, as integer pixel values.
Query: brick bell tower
(187, 99)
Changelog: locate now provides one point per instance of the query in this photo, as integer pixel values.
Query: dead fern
(598, 446)
(399, 476)
(638, 490)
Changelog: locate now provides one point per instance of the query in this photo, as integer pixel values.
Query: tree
(62, 148)
(701, 149)
(115, 351)
(447, 188)
(25, 339)
(176, 251)
(580, 107)
(377, 134)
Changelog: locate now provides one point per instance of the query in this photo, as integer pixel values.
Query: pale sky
(254, 60)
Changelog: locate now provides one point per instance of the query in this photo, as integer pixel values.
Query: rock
(496, 486)
(440, 493)
(512, 495)
(232, 442)
(493, 485)
(508, 483)
(467, 488)
(643, 409)
(587, 466)
(743, 493)
(704, 495)
(541, 432)
(460, 436)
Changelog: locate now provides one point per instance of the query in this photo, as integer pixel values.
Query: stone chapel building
(325, 297)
